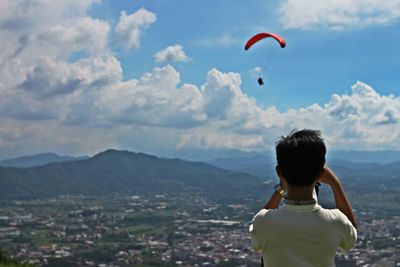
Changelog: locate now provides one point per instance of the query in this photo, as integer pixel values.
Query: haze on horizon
(79, 77)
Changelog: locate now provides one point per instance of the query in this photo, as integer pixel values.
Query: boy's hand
(329, 177)
(283, 184)
(342, 203)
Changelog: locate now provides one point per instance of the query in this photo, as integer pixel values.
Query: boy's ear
(320, 175)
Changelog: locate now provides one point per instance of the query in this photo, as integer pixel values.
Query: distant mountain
(258, 165)
(217, 157)
(37, 160)
(360, 178)
(122, 172)
(352, 165)
(209, 155)
(381, 157)
(205, 154)
(385, 170)
(264, 166)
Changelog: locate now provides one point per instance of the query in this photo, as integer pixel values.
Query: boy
(301, 232)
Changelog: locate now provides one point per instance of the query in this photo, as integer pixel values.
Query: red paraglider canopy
(263, 35)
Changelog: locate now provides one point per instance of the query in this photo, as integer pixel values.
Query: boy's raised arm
(342, 203)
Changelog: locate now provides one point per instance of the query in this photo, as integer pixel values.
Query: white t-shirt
(301, 236)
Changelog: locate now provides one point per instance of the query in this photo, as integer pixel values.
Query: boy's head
(301, 157)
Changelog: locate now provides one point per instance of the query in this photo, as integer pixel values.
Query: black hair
(301, 156)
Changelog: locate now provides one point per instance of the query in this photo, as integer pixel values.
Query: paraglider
(259, 37)
(263, 35)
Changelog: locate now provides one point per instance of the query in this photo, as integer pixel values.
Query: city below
(163, 230)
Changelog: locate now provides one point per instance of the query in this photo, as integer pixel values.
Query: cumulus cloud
(61, 91)
(78, 34)
(49, 77)
(361, 120)
(21, 22)
(130, 27)
(387, 117)
(366, 108)
(37, 82)
(155, 100)
(219, 92)
(173, 53)
(48, 102)
(26, 16)
(52, 32)
(337, 14)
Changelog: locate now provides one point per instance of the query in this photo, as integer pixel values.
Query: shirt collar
(300, 202)
(309, 207)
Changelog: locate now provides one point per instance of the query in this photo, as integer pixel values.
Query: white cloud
(360, 120)
(46, 29)
(49, 77)
(338, 14)
(130, 27)
(154, 100)
(27, 16)
(219, 92)
(173, 53)
(56, 90)
(50, 103)
(78, 34)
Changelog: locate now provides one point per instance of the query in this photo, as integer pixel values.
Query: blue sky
(154, 76)
(315, 64)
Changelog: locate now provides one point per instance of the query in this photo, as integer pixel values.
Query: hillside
(37, 160)
(123, 172)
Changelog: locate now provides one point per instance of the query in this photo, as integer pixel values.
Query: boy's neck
(300, 193)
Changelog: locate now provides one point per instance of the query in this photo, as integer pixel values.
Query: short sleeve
(349, 233)
(255, 229)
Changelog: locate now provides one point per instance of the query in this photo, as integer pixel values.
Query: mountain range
(37, 160)
(264, 166)
(124, 172)
(219, 157)
(361, 178)
(121, 172)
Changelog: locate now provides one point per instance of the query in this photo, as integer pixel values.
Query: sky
(81, 76)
